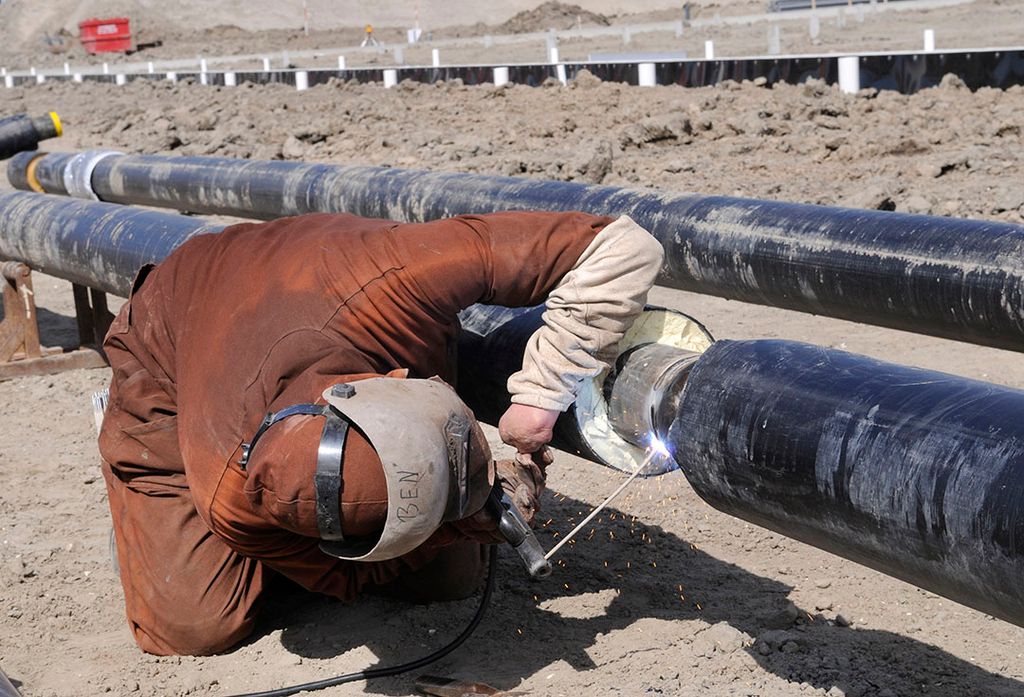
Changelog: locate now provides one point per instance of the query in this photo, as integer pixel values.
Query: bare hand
(527, 428)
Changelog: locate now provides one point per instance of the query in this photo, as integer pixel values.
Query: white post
(647, 76)
(77, 77)
(301, 80)
(202, 65)
(849, 74)
(266, 65)
(203, 80)
(500, 76)
(8, 81)
(390, 78)
(150, 67)
(40, 79)
(67, 68)
(553, 54)
(435, 57)
(399, 55)
(172, 77)
(774, 41)
(709, 50)
(929, 40)
(560, 72)
(230, 80)
(341, 62)
(31, 71)
(119, 79)
(3, 72)
(106, 69)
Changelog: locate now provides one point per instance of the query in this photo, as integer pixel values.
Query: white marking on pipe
(301, 80)
(709, 50)
(500, 76)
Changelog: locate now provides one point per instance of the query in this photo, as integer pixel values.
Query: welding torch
(516, 531)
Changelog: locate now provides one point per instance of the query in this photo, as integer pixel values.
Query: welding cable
(402, 667)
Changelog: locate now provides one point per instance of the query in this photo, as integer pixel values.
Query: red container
(105, 35)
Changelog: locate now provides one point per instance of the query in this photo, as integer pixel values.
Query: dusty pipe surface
(915, 473)
(100, 245)
(961, 279)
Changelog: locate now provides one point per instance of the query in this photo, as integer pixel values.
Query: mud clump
(551, 15)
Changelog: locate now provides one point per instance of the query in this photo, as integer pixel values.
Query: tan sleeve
(587, 314)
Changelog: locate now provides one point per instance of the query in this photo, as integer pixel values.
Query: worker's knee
(189, 639)
(457, 572)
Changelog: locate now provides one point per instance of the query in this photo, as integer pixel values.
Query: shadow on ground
(646, 566)
(54, 329)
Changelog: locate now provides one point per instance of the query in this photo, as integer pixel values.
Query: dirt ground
(668, 596)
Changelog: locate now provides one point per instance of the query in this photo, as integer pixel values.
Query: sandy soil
(667, 596)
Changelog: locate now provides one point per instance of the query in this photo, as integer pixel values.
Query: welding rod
(600, 507)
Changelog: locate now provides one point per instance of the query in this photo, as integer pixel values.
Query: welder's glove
(523, 479)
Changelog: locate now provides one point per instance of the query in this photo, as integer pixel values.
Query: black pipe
(916, 473)
(955, 278)
(100, 245)
(23, 132)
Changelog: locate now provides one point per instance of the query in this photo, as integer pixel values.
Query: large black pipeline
(100, 245)
(955, 278)
(915, 473)
(22, 132)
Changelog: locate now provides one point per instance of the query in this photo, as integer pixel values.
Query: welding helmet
(437, 464)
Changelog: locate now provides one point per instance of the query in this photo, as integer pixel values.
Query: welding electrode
(23, 132)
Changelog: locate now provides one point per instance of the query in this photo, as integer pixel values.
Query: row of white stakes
(849, 70)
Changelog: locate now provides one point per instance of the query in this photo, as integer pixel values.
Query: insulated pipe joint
(644, 388)
(78, 173)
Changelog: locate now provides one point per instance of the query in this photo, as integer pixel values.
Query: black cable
(403, 667)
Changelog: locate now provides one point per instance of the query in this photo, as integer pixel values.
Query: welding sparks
(656, 451)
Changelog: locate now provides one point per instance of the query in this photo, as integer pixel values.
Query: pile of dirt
(551, 15)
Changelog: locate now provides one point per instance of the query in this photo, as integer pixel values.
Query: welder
(282, 404)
